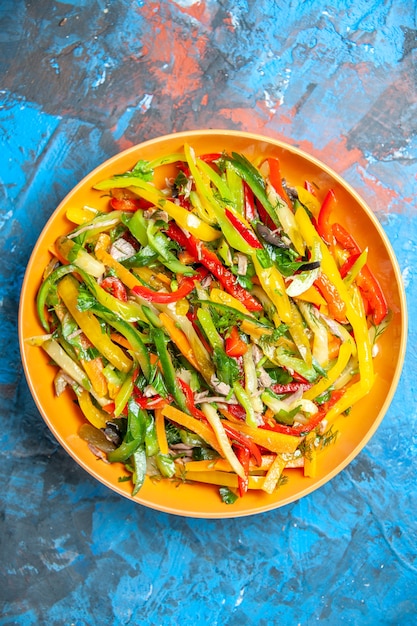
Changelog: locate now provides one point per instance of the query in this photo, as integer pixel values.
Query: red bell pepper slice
(246, 234)
(129, 204)
(185, 287)
(348, 264)
(211, 157)
(276, 180)
(210, 260)
(368, 284)
(237, 411)
(345, 239)
(189, 401)
(115, 287)
(337, 308)
(243, 456)
(309, 187)
(235, 436)
(290, 387)
(324, 227)
(249, 203)
(371, 290)
(264, 216)
(304, 429)
(234, 346)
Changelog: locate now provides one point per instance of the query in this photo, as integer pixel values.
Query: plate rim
(256, 137)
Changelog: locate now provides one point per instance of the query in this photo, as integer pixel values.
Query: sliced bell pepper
(224, 479)
(189, 221)
(45, 290)
(337, 307)
(160, 431)
(129, 204)
(332, 374)
(276, 179)
(243, 456)
(212, 262)
(195, 425)
(235, 346)
(274, 474)
(273, 284)
(365, 280)
(114, 285)
(278, 442)
(97, 417)
(324, 227)
(354, 308)
(68, 289)
(180, 339)
(249, 210)
(243, 229)
(186, 286)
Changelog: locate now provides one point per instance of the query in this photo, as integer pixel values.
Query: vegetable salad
(213, 328)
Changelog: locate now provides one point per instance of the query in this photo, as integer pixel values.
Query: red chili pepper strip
(324, 227)
(233, 345)
(186, 287)
(276, 180)
(337, 308)
(366, 281)
(246, 234)
(211, 261)
(115, 287)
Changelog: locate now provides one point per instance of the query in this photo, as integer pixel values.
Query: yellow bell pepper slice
(89, 324)
(274, 474)
(193, 424)
(95, 416)
(310, 201)
(332, 375)
(269, 439)
(127, 278)
(354, 310)
(189, 221)
(273, 284)
(223, 479)
(74, 253)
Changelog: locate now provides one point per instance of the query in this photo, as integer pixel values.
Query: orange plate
(64, 419)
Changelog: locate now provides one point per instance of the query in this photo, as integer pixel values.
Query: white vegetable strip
(216, 424)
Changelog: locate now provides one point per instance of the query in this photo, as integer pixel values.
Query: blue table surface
(84, 79)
